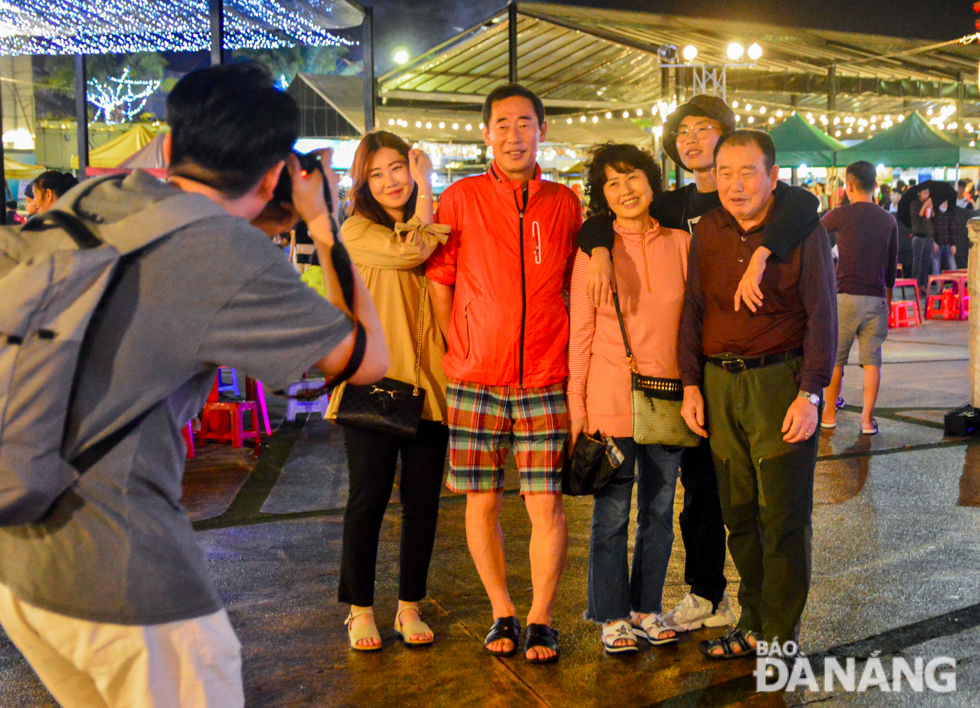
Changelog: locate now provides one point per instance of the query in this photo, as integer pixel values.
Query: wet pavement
(895, 573)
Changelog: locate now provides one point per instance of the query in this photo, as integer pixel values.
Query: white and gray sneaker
(695, 612)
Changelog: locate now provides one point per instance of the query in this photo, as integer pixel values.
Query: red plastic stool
(943, 306)
(224, 421)
(903, 314)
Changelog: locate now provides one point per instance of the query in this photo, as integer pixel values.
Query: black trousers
(702, 527)
(371, 459)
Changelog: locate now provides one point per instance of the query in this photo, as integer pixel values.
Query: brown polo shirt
(799, 308)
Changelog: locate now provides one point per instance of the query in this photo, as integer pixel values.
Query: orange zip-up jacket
(509, 255)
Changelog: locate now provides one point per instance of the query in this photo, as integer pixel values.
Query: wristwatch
(813, 398)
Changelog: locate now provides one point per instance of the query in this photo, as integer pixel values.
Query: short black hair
(57, 182)
(863, 173)
(229, 124)
(623, 158)
(963, 182)
(749, 137)
(509, 91)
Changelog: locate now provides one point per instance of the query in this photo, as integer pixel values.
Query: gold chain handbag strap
(418, 349)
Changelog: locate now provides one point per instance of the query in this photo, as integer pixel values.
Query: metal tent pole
(370, 85)
(81, 114)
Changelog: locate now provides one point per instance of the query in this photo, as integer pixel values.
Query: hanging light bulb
(755, 51)
(735, 51)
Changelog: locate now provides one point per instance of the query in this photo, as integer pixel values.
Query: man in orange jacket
(497, 288)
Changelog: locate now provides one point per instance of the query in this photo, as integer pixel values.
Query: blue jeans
(944, 257)
(921, 260)
(613, 592)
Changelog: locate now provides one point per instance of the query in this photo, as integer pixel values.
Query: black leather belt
(735, 364)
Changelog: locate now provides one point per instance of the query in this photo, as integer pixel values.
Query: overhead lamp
(626, 114)
(690, 52)
(734, 104)
(608, 114)
(569, 121)
(442, 125)
(762, 110)
(469, 126)
(771, 120)
(755, 51)
(735, 51)
(582, 119)
(639, 112)
(391, 121)
(748, 106)
(428, 126)
(751, 119)
(595, 119)
(401, 56)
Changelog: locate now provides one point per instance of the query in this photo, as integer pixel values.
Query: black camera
(283, 193)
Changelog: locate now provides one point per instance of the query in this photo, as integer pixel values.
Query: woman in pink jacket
(650, 264)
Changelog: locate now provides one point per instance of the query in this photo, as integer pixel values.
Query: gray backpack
(54, 272)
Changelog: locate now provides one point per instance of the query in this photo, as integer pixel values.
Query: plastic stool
(216, 413)
(232, 387)
(317, 405)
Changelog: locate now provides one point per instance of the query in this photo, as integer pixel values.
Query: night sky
(421, 24)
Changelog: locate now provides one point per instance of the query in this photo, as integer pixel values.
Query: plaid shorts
(482, 422)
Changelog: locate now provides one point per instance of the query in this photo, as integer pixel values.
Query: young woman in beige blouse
(650, 263)
(389, 235)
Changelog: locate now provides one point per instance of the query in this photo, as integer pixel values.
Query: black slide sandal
(504, 628)
(541, 635)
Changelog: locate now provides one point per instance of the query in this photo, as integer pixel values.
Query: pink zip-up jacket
(651, 271)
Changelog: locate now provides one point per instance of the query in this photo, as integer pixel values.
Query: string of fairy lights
(843, 125)
(32, 27)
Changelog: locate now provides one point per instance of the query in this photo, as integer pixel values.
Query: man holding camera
(108, 596)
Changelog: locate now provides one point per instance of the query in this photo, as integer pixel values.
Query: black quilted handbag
(656, 404)
(388, 407)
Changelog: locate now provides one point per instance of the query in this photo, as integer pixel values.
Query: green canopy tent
(912, 143)
(799, 143)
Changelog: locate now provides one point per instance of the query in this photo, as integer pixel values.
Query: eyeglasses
(699, 133)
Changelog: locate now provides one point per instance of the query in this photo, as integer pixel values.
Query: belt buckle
(733, 366)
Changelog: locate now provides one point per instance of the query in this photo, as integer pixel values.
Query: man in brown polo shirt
(762, 373)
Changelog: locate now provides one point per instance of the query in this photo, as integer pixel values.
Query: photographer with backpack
(103, 587)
